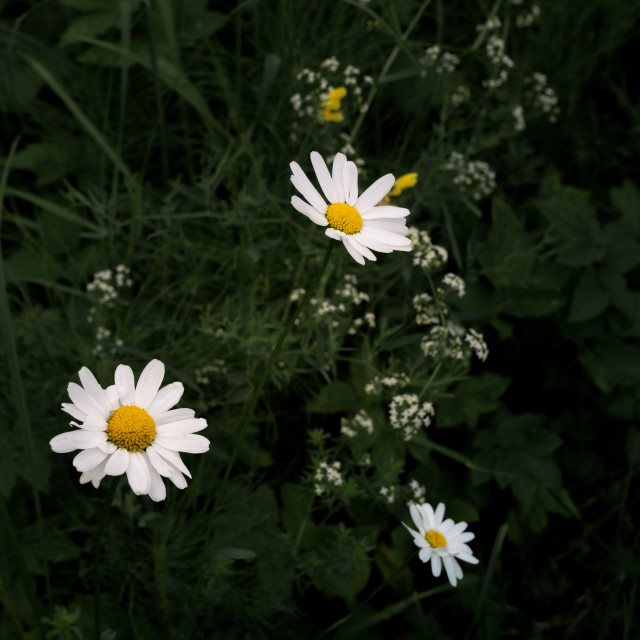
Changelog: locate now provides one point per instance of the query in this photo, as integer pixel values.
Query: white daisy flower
(129, 428)
(442, 542)
(357, 221)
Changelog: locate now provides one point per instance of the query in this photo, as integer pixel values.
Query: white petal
(456, 530)
(353, 252)
(324, 177)
(171, 456)
(113, 397)
(445, 526)
(162, 466)
(79, 439)
(439, 514)
(365, 239)
(166, 398)
(450, 569)
(138, 473)
(95, 475)
(395, 225)
(84, 400)
(118, 463)
(436, 565)
(157, 490)
(89, 459)
(360, 248)
(375, 193)
(187, 442)
(173, 415)
(306, 209)
(178, 479)
(350, 176)
(384, 212)
(427, 517)
(465, 537)
(106, 446)
(385, 236)
(467, 558)
(90, 383)
(73, 411)
(338, 176)
(125, 382)
(148, 384)
(425, 554)
(93, 423)
(334, 234)
(306, 189)
(192, 425)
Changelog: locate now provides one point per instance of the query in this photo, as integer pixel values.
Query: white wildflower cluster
(491, 24)
(375, 386)
(349, 290)
(408, 415)
(527, 18)
(419, 492)
(495, 50)
(348, 149)
(473, 177)
(105, 284)
(389, 494)
(427, 310)
(103, 335)
(297, 294)
(324, 90)
(454, 283)
(217, 367)
(442, 61)
(426, 255)
(453, 341)
(360, 423)
(518, 114)
(544, 97)
(367, 320)
(460, 95)
(327, 476)
(365, 459)
(327, 312)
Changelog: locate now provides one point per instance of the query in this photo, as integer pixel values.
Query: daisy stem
(108, 499)
(392, 577)
(263, 378)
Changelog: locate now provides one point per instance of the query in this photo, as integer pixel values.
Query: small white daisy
(442, 542)
(129, 428)
(357, 221)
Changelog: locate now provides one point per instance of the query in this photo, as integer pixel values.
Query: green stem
(385, 69)
(265, 374)
(340, 622)
(96, 553)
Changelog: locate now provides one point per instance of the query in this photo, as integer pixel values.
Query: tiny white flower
(354, 220)
(130, 428)
(443, 542)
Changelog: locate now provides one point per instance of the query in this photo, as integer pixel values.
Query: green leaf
(336, 397)
(472, 398)
(509, 255)
(92, 25)
(626, 199)
(573, 231)
(633, 445)
(623, 250)
(611, 362)
(589, 298)
(229, 553)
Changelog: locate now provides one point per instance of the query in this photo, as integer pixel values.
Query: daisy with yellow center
(331, 103)
(354, 220)
(130, 428)
(442, 542)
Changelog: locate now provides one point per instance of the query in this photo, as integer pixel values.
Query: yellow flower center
(435, 539)
(131, 428)
(344, 217)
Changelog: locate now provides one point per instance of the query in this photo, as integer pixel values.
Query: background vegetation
(157, 136)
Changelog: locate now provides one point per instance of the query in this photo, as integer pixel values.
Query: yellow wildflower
(404, 182)
(331, 104)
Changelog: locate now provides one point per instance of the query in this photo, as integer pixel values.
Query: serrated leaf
(626, 199)
(336, 397)
(589, 298)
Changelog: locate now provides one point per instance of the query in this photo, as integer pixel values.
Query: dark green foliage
(158, 136)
